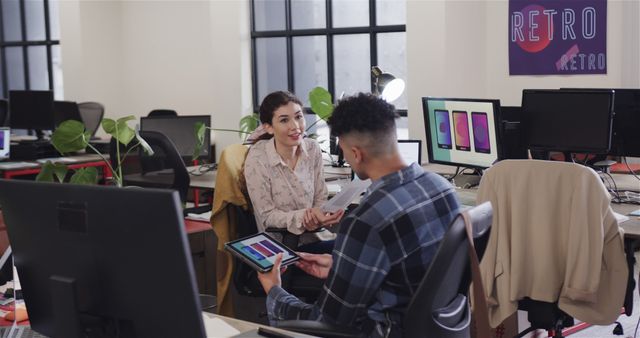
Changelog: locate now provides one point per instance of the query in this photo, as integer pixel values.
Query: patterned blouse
(279, 194)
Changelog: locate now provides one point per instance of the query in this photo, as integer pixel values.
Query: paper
(348, 193)
(205, 216)
(620, 217)
(57, 160)
(215, 327)
(635, 213)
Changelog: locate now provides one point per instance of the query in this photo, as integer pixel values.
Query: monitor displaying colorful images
(462, 132)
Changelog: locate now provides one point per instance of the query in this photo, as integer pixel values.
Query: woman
(284, 177)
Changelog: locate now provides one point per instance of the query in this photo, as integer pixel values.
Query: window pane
(352, 64)
(391, 12)
(38, 74)
(350, 13)
(56, 59)
(11, 20)
(34, 11)
(269, 15)
(15, 68)
(271, 64)
(309, 65)
(308, 14)
(392, 58)
(54, 19)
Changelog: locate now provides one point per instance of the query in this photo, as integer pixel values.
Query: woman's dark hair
(273, 101)
(270, 104)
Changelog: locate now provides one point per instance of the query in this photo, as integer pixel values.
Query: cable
(624, 159)
(635, 332)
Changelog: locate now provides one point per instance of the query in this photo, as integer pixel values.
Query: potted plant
(71, 136)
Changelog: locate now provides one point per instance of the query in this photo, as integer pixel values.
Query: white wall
(460, 49)
(135, 56)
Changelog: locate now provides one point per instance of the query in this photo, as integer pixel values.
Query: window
(30, 46)
(300, 44)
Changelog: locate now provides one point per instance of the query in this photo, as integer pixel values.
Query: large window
(301, 44)
(30, 46)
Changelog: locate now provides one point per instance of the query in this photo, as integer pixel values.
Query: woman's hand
(314, 264)
(315, 218)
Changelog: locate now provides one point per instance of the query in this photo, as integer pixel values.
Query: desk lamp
(386, 86)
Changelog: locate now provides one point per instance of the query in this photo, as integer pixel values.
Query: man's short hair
(363, 113)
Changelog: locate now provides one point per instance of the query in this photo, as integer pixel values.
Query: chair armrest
(319, 329)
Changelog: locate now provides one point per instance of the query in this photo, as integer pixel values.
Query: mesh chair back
(164, 169)
(440, 306)
(162, 113)
(91, 114)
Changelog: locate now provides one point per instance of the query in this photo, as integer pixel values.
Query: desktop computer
(180, 130)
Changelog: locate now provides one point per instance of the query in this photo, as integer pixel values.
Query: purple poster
(557, 37)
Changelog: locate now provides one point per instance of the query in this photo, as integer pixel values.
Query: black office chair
(4, 113)
(162, 113)
(440, 307)
(164, 169)
(91, 114)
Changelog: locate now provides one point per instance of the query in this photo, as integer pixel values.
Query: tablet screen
(261, 250)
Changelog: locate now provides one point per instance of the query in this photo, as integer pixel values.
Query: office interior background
(196, 56)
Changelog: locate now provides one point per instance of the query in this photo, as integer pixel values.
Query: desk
(81, 161)
(202, 244)
(244, 327)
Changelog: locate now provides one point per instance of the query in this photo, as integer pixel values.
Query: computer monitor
(626, 119)
(180, 130)
(512, 133)
(31, 109)
(102, 259)
(65, 110)
(462, 132)
(410, 151)
(568, 120)
(5, 143)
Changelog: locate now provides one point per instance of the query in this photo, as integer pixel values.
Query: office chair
(163, 169)
(440, 306)
(162, 113)
(4, 113)
(91, 114)
(556, 250)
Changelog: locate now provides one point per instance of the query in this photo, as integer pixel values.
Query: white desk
(245, 327)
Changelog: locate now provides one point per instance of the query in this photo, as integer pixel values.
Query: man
(383, 247)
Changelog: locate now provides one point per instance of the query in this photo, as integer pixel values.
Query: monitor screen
(624, 135)
(462, 132)
(180, 130)
(5, 145)
(31, 109)
(65, 110)
(410, 151)
(105, 258)
(568, 120)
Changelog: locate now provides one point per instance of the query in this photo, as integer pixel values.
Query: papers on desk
(620, 217)
(218, 328)
(205, 216)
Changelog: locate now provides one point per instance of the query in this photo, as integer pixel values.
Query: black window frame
(48, 42)
(373, 29)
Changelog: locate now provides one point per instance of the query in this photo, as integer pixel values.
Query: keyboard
(17, 165)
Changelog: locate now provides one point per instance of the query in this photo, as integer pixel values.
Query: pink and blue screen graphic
(443, 129)
(480, 132)
(1, 139)
(259, 252)
(461, 127)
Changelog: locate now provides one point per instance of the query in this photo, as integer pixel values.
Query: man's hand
(314, 264)
(271, 278)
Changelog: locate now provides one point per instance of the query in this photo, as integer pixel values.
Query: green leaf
(321, 102)
(249, 123)
(86, 176)
(51, 170)
(199, 129)
(70, 136)
(119, 129)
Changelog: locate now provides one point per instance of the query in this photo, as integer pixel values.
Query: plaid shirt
(381, 254)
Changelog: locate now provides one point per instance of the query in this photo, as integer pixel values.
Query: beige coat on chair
(554, 238)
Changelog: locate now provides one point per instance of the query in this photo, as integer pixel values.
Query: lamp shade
(387, 86)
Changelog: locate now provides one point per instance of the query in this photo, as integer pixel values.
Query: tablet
(259, 251)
